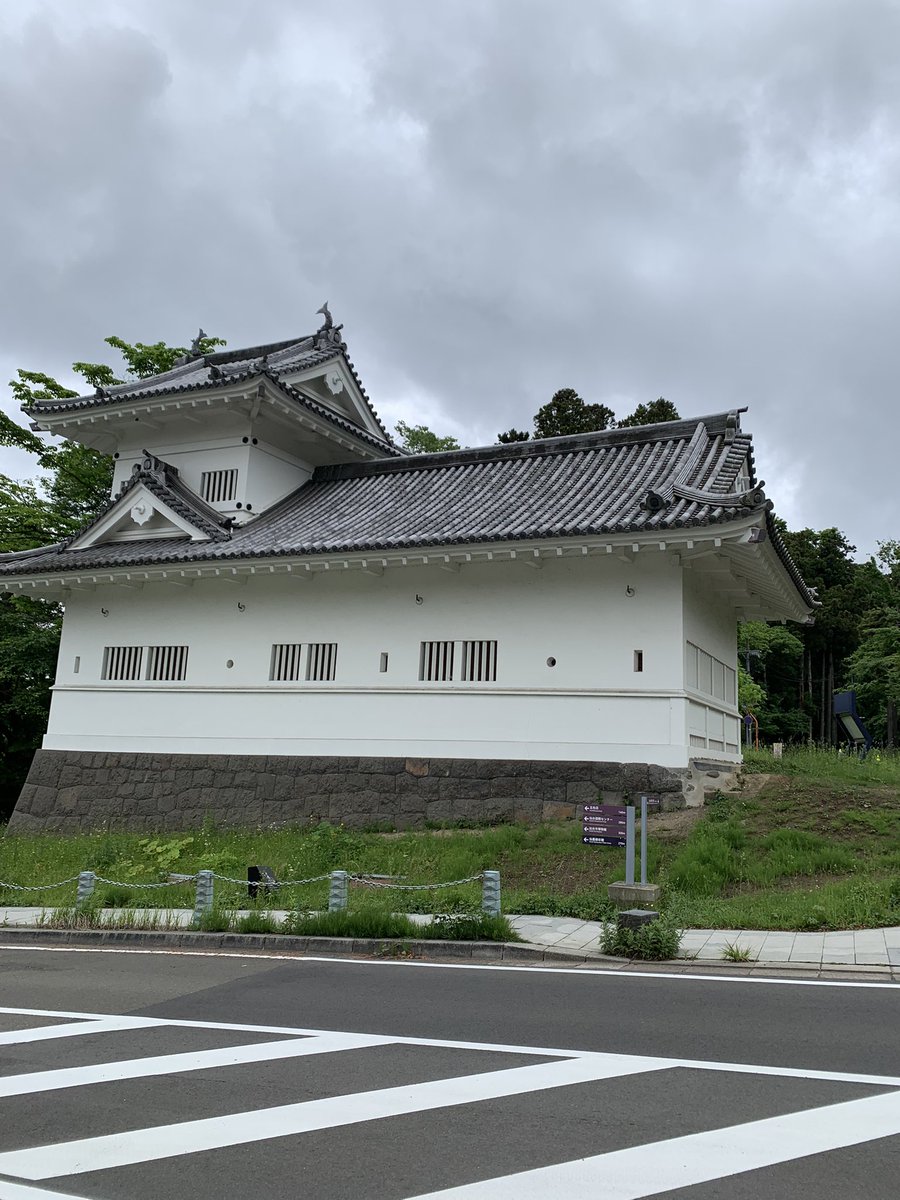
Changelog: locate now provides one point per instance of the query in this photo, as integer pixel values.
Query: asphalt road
(145, 1075)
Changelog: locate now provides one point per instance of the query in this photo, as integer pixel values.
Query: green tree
(848, 590)
(73, 485)
(513, 435)
(873, 671)
(419, 439)
(751, 695)
(651, 414)
(566, 413)
(772, 657)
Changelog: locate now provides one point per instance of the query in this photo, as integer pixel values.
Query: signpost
(613, 825)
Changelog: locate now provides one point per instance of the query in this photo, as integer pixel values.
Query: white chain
(366, 881)
(276, 883)
(363, 880)
(44, 887)
(168, 883)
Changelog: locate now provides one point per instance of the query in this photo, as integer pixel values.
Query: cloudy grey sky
(498, 197)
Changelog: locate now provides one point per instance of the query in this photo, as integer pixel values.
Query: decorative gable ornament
(142, 512)
(138, 514)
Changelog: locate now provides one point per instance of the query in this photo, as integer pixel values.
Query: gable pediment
(138, 515)
(334, 384)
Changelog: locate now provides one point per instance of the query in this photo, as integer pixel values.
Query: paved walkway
(854, 947)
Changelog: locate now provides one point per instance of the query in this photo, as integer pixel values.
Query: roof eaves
(343, 423)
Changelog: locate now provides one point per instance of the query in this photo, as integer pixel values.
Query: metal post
(643, 839)
(337, 892)
(203, 899)
(490, 893)
(86, 881)
(629, 844)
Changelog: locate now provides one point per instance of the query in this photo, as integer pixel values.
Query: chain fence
(204, 887)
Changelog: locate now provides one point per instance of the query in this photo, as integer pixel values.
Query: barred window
(479, 662)
(476, 661)
(122, 662)
(436, 661)
(216, 486)
(710, 675)
(321, 661)
(285, 663)
(166, 663)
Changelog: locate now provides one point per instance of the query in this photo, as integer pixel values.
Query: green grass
(879, 766)
(658, 940)
(817, 848)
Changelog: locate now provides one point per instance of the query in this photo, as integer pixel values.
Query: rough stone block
(582, 792)
(527, 810)
(633, 895)
(511, 786)
(417, 766)
(473, 768)
(553, 810)
(438, 810)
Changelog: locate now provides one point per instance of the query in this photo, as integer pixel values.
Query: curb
(422, 949)
(521, 953)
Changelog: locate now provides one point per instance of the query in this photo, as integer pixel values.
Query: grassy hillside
(815, 846)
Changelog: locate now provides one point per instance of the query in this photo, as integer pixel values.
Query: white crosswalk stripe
(626, 1174)
(680, 1162)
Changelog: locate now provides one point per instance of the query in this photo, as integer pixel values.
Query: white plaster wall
(265, 473)
(271, 475)
(710, 624)
(591, 705)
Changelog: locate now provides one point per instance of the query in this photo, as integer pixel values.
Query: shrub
(469, 927)
(658, 940)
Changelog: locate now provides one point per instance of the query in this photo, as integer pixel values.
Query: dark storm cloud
(498, 199)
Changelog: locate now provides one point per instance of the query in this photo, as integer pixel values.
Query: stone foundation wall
(71, 790)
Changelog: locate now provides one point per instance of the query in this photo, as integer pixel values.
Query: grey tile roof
(589, 485)
(207, 372)
(164, 482)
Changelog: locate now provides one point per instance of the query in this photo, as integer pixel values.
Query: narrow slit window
(321, 662)
(77, 666)
(166, 664)
(479, 662)
(284, 665)
(436, 661)
(638, 660)
(122, 663)
(383, 664)
(218, 486)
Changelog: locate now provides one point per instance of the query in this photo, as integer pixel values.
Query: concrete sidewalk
(853, 947)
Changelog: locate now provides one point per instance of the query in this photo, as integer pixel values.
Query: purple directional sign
(605, 810)
(604, 824)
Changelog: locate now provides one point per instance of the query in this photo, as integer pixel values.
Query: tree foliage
(873, 671)
(651, 414)
(419, 439)
(567, 413)
(72, 487)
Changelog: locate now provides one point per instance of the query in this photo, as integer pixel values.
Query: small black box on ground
(634, 918)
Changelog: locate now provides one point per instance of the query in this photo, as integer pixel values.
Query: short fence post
(337, 892)
(203, 900)
(86, 881)
(490, 893)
